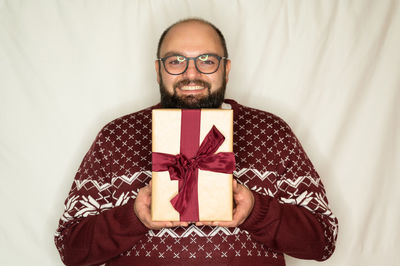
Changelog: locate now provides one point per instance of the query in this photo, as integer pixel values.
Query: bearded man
(280, 202)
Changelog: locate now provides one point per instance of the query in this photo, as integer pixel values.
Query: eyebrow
(171, 53)
(177, 53)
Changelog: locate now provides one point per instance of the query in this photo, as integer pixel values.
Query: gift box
(192, 165)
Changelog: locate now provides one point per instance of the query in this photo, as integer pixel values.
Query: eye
(176, 60)
(206, 59)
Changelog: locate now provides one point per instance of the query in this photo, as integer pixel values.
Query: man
(280, 202)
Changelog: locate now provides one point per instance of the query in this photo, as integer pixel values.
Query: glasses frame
(194, 61)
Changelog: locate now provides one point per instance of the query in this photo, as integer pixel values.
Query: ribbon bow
(185, 169)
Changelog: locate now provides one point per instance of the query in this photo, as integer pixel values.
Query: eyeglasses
(178, 64)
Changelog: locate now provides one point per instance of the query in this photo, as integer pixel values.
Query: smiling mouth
(191, 88)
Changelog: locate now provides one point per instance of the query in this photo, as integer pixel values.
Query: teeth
(191, 88)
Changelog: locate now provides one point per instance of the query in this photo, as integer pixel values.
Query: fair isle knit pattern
(290, 215)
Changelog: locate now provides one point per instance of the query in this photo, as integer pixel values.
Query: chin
(213, 100)
(191, 99)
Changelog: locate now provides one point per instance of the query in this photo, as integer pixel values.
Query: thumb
(235, 187)
(147, 189)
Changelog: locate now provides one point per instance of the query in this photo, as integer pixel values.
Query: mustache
(195, 82)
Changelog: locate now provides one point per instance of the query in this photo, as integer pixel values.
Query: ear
(227, 69)
(157, 67)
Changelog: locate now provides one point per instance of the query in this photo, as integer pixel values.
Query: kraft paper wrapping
(214, 189)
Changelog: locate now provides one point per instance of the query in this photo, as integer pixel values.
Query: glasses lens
(175, 64)
(207, 63)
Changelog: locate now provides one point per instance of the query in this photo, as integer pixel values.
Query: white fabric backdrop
(329, 68)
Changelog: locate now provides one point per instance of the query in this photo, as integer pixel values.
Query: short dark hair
(200, 20)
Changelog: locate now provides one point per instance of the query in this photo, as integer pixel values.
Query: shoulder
(129, 124)
(261, 118)
(132, 120)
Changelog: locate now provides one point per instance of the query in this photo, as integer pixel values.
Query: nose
(191, 71)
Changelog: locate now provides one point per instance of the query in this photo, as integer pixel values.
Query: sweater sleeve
(296, 220)
(98, 223)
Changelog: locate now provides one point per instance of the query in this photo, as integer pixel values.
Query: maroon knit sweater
(290, 214)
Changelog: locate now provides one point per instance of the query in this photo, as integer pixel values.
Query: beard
(212, 100)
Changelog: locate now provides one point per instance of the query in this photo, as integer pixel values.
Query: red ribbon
(185, 170)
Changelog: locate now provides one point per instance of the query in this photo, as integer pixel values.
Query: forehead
(191, 39)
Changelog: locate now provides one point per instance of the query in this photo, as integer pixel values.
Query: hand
(143, 212)
(244, 201)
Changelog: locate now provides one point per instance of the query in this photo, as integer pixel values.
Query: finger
(179, 223)
(225, 224)
(169, 224)
(239, 217)
(160, 225)
(234, 186)
(172, 223)
(233, 212)
(209, 223)
(145, 217)
(145, 190)
(237, 213)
